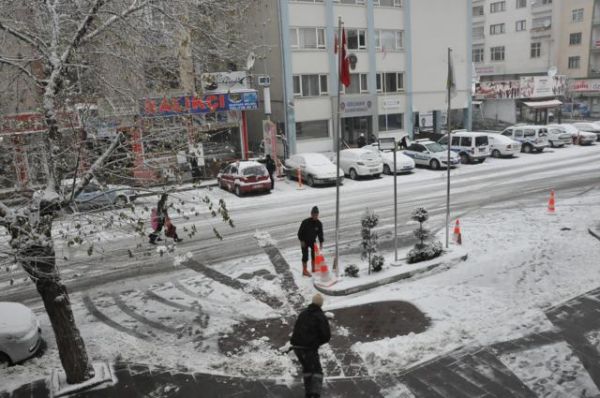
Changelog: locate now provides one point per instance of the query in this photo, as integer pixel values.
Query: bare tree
(66, 52)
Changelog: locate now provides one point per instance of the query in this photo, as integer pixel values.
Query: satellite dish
(552, 71)
(250, 61)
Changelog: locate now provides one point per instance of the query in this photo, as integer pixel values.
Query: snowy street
(494, 311)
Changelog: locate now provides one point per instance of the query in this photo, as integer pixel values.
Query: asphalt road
(501, 182)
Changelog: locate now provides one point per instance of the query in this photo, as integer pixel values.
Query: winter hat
(315, 210)
(317, 300)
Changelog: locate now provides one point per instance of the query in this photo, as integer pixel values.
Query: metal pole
(338, 137)
(449, 144)
(395, 207)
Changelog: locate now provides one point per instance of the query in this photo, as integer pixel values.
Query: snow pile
(264, 239)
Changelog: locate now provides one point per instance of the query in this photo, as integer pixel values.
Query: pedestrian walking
(361, 141)
(271, 167)
(404, 142)
(310, 229)
(159, 218)
(311, 331)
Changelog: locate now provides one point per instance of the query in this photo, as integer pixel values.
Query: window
(497, 53)
(357, 39)
(497, 29)
(521, 25)
(536, 50)
(577, 15)
(521, 3)
(478, 55)
(392, 121)
(310, 85)
(466, 141)
(574, 39)
(477, 11)
(388, 3)
(478, 32)
(574, 62)
(389, 40)
(498, 6)
(311, 1)
(390, 82)
(313, 129)
(307, 38)
(358, 84)
(542, 23)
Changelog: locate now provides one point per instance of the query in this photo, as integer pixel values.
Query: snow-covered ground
(521, 261)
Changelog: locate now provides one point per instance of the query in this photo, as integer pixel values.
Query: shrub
(351, 271)
(423, 250)
(377, 263)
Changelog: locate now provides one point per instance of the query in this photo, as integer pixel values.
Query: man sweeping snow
(310, 229)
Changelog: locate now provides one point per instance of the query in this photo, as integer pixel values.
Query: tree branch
(27, 38)
(89, 174)
(22, 69)
(82, 30)
(134, 7)
(5, 213)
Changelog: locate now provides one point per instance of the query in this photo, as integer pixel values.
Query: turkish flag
(344, 63)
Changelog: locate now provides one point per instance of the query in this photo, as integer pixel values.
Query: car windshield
(369, 155)
(253, 171)
(435, 147)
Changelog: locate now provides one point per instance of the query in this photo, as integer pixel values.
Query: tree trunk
(71, 347)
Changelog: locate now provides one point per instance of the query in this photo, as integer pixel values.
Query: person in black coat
(271, 167)
(310, 229)
(361, 141)
(310, 332)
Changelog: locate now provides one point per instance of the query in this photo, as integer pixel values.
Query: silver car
(95, 196)
(20, 333)
(431, 154)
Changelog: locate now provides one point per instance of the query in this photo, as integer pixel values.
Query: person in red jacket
(311, 331)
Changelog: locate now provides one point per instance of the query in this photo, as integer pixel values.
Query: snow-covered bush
(377, 263)
(423, 250)
(351, 271)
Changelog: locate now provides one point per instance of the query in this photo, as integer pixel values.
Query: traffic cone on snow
(321, 265)
(551, 208)
(457, 234)
(299, 176)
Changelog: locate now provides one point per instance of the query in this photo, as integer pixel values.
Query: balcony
(540, 6)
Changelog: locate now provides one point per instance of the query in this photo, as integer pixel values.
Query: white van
(532, 138)
(470, 146)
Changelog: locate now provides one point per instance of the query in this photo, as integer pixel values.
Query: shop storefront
(357, 119)
(584, 99)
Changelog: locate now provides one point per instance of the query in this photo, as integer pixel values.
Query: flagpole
(338, 138)
(449, 84)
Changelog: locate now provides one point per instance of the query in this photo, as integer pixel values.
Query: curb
(389, 279)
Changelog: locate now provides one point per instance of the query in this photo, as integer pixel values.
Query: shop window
(312, 130)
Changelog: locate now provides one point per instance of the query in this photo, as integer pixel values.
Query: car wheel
(4, 359)
(481, 160)
(376, 175)
(527, 148)
(238, 192)
(353, 174)
(496, 153)
(121, 201)
(386, 169)
(434, 164)
(464, 158)
(310, 181)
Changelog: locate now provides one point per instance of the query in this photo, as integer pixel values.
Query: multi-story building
(398, 84)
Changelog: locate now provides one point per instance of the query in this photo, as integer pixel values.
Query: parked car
(501, 146)
(94, 195)
(244, 177)
(590, 128)
(315, 168)
(404, 164)
(470, 146)
(578, 136)
(431, 154)
(532, 138)
(558, 137)
(359, 162)
(20, 333)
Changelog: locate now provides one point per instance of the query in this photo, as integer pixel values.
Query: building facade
(397, 85)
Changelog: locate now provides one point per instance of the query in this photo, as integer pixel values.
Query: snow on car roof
(14, 317)
(313, 156)
(248, 163)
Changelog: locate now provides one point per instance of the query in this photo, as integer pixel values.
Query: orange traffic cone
(299, 176)
(319, 259)
(551, 208)
(457, 234)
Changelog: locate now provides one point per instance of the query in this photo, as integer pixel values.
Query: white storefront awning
(543, 104)
(476, 102)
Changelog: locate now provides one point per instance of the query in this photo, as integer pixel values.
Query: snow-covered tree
(423, 250)
(369, 240)
(55, 54)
